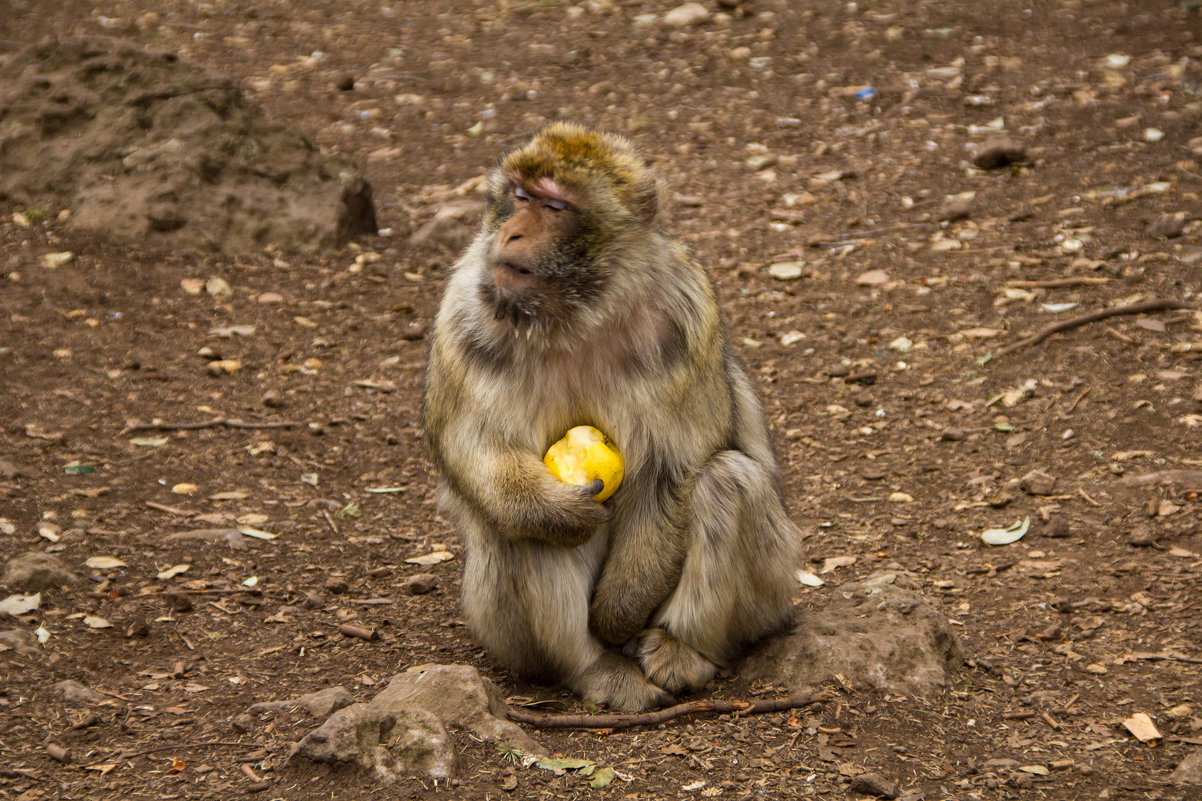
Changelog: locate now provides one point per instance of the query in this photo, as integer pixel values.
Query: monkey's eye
(521, 194)
(555, 204)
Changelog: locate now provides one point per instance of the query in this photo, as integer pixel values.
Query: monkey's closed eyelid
(521, 194)
(555, 204)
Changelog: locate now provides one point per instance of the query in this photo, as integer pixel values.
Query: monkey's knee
(671, 664)
(617, 682)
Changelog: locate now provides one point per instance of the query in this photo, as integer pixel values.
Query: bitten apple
(585, 455)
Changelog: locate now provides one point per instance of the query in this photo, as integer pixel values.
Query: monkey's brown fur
(572, 307)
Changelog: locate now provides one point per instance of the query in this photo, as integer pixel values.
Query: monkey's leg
(527, 603)
(737, 581)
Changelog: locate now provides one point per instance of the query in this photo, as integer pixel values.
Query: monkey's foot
(618, 683)
(671, 664)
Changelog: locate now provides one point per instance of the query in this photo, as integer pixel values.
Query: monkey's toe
(671, 664)
(619, 683)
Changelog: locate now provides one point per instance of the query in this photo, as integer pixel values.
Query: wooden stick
(542, 721)
(1054, 283)
(1093, 317)
(124, 755)
(216, 422)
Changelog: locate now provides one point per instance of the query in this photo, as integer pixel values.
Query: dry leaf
(96, 622)
(20, 604)
(172, 572)
(104, 562)
(833, 562)
(1005, 536)
(1143, 728)
(434, 558)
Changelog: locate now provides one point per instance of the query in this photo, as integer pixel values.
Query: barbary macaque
(572, 306)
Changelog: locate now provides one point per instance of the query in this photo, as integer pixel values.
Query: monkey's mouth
(511, 277)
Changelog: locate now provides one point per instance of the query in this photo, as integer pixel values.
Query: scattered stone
(1037, 482)
(313, 601)
(320, 704)
(1141, 537)
(958, 207)
(1057, 528)
(453, 225)
(144, 147)
(231, 536)
(272, 399)
(19, 640)
(137, 626)
(1168, 226)
(874, 784)
(178, 601)
(419, 584)
(392, 744)
(337, 585)
(786, 270)
(687, 15)
(75, 693)
(952, 434)
(877, 633)
(243, 722)
(34, 571)
(403, 730)
(10, 471)
(1190, 769)
(998, 152)
(839, 370)
(872, 278)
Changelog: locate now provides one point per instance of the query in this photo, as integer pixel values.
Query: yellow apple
(583, 456)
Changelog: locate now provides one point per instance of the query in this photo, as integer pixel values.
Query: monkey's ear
(649, 196)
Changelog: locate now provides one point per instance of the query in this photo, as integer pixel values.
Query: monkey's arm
(513, 490)
(646, 554)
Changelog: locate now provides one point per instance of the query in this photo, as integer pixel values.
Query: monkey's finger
(592, 488)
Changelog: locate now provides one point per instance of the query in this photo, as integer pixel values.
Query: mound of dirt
(143, 147)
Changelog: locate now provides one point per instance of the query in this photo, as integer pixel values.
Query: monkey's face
(540, 271)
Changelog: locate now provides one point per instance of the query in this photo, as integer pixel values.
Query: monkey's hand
(563, 514)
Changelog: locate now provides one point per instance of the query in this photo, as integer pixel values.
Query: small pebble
(1168, 226)
(419, 584)
(1141, 537)
(874, 784)
(998, 152)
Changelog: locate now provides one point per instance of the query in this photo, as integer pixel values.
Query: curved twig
(216, 422)
(1093, 317)
(618, 721)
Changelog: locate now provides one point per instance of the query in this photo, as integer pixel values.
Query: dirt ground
(812, 148)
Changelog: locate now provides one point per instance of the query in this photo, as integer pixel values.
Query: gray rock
(1190, 769)
(876, 633)
(319, 704)
(874, 784)
(160, 152)
(998, 152)
(1038, 482)
(21, 641)
(34, 571)
(460, 697)
(452, 227)
(1168, 226)
(403, 730)
(231, 536)
(392, 744)
(419, 584)
(75, 693)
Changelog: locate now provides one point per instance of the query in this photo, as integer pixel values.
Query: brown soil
(1094, 616)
